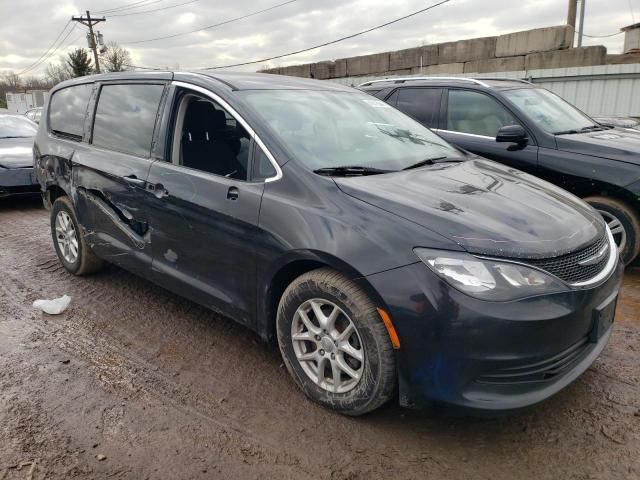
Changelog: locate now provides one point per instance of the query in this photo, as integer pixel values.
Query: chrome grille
(567, 267)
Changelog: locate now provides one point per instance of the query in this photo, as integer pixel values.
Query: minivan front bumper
(491, 356)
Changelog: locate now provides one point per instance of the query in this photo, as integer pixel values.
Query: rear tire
(68, 240)
(623, 222)
(348, 363)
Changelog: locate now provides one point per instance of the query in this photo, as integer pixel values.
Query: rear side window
(67, 111)
(125, 118)
(423, 104)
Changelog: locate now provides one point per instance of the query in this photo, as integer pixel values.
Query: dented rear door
(110, 176)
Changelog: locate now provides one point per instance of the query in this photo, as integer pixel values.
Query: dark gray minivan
(381, 259)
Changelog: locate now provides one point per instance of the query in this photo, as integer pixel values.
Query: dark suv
(529, 128)
(379, 257)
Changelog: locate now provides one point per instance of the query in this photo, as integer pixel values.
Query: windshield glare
(547, 110)
(326, 129)
(11, 126)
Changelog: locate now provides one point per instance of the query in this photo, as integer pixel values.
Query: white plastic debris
(53, 307)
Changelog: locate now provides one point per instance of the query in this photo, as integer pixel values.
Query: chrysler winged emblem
(596, 257)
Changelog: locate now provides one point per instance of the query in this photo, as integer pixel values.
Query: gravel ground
(133, 382)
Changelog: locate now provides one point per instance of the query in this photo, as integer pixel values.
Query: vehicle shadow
(28, 202)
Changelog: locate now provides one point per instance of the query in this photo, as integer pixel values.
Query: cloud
(29, 27)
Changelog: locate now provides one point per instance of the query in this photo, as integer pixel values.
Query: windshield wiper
(350, 171)
(591, 128)
(432, 161)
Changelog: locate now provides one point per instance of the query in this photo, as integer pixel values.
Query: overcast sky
(28, 27)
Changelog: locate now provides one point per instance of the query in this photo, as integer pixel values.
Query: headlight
(488, 279)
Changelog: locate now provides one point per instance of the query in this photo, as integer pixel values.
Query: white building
(20, 102)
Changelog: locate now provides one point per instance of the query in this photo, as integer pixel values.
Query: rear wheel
(334, 343)
(623, 222)
(69, 242)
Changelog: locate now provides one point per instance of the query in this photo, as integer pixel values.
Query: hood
(617, 143)
(484, 207)
(16, 152)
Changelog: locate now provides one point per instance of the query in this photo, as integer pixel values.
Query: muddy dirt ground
(133, 382)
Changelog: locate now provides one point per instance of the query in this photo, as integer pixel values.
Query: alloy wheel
(327, 345)
(66, 237)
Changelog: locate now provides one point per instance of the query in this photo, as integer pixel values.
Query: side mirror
(512, 134)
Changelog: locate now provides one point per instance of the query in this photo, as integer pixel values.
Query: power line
(602, 36)
(154, 10)
(128, 6)
(633, 17)
(212, 26)
(417, 12)
(47, 50)
(47, 57)
(597, 36)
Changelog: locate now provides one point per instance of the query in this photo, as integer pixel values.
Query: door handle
(232, 193)
(135, 181)
(158, 190)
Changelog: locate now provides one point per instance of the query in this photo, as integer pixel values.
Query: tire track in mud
(113, 364)
(137, 378)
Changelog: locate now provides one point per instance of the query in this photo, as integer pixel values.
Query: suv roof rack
(406, 79)
(520, 80)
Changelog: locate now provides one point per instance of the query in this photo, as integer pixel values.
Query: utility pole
(572, 12)
(90, 22)
(581, 27)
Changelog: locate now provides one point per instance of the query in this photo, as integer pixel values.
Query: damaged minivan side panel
(109, 177)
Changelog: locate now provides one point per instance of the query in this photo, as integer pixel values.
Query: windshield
(548, 111)
(331, 129)
(11, 126)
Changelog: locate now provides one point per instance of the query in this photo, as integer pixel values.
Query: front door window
(476, 113)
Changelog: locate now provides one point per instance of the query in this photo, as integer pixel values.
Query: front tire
(334, 344)
(623, 222)
(72, 250)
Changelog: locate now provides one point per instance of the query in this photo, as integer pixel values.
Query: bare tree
(36, 83)
(58, 72)
(12, 81)
(115, 58)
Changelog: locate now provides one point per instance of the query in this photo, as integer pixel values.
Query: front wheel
(334, 344)
(623, 223)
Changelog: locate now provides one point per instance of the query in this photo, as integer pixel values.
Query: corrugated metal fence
(599, 90)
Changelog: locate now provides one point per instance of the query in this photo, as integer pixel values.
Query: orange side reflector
(393, 335)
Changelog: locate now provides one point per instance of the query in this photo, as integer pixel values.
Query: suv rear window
(126, 116)
(67, 111)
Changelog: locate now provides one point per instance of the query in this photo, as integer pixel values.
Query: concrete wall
(539, 48)
(536, 40)
(575, 57)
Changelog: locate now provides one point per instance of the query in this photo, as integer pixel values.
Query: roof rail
(405, 79)
(507, 79)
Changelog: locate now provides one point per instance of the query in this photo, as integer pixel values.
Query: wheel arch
(288, 269)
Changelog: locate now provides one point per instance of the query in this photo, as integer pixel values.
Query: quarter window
(68, 109)
(476, 113)
(126, 116)
(423, 104)
(262, 167)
